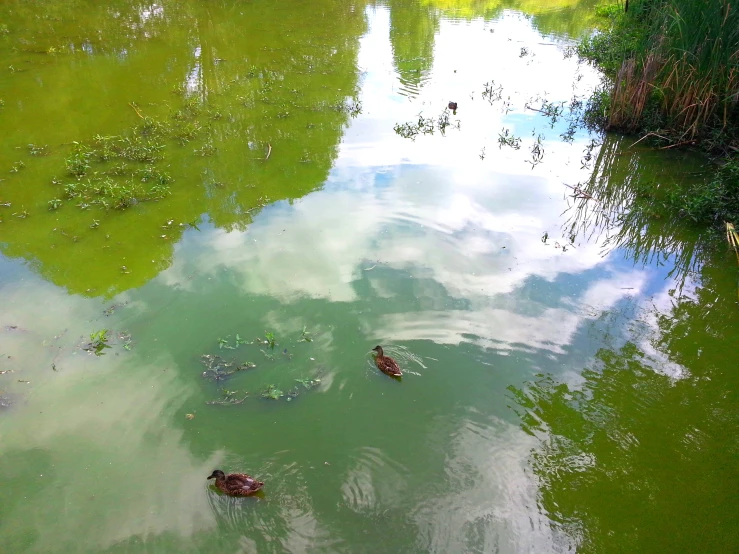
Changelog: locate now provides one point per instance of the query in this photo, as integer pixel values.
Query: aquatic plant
(229, 398)
(272, 393)
(270, 339)
(506, 138)
(672, 66)
(78, 162)
(425, 126)
(98, 342)
(491, 93)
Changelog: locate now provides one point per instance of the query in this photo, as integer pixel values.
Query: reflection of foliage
(652, 423)
(222, 143)
(560, 17)
(624, 217)
(413, 28)
(620, 454)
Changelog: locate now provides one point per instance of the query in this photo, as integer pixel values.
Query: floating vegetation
(78, 162)
(491, 93)
(223, 343)
(354, 108)
(305, 335)
(229, 398)
(35, 150)
(506, 138)
(98, 342)
(208, 149)
(218, 369)
(272, 393)
(553, 110)
(426, 126)
(412, 129)
(270, 339)
(17, 166)
(537, 152)
(128, 172)
(308, 383)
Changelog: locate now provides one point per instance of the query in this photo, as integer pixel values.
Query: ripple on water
(282, 519)
(374, 482)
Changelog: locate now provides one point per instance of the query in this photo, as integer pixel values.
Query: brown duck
(236, 484)
(386, 364)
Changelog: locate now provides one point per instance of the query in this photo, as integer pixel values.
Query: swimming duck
(386, 364)
(236, 484)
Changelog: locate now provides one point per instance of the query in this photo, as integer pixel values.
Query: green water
(569, 363)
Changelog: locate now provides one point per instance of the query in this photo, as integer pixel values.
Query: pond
(213, 211)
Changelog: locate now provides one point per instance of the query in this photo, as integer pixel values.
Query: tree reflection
(268, 82)
(640, 455)
(413, 28)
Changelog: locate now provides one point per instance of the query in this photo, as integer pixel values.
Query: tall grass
(675, 69)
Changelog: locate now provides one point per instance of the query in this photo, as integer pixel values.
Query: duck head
(217, 474)
(378, 349)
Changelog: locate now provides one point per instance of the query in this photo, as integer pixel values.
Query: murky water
(569, 376)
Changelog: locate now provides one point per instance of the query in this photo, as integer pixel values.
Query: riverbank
(671, 76)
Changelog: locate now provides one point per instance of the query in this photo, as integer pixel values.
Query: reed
(674, 66)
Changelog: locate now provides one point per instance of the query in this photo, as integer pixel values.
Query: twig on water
(268, 152)
(138, 113)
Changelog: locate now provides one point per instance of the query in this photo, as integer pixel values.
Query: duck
(386, 364)
(236, 484)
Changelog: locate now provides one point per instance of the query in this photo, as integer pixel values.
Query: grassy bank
(672, 76)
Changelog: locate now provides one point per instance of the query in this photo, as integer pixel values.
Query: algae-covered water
(213, 211)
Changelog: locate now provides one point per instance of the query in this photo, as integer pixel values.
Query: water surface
(568, 378)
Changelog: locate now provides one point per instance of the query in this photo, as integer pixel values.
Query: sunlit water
(568, 382)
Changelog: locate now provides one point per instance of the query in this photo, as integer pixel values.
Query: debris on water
(229, 398)
(452, 106)
(190, 416)
(218, 369)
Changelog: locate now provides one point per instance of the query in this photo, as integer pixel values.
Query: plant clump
(672, 69)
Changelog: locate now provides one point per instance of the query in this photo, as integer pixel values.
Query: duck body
(386, 364)
(236, 484)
